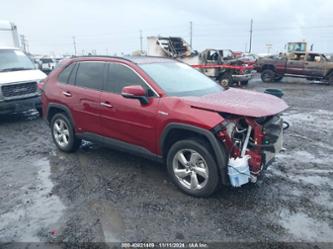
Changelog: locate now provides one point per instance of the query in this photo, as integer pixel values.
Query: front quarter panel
(174, 110)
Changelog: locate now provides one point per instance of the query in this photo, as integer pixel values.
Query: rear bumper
(242, 77)
(18, 105)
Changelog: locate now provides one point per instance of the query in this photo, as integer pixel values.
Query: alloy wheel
(61, 132)
(190, 169)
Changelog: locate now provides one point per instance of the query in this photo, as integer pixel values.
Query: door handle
(106, 104)
(67, 94)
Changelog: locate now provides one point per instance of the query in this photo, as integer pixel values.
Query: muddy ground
(101, 195)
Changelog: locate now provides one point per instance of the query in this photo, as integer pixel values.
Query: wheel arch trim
(61, 107)
(220, 156)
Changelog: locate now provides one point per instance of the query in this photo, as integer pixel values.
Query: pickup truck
(308, 65)
(19, 82)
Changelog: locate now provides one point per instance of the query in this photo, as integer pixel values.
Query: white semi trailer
(8, 35)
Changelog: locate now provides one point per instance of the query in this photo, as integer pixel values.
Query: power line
(291, 28)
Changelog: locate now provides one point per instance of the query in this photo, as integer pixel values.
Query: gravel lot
(101, 195)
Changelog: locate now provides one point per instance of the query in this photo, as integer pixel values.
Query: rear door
(295, 64)
(127, 119)
(83, 93)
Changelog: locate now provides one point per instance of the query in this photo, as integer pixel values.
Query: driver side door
(126, 119)
(295, 64)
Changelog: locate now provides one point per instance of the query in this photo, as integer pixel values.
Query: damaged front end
(251, 144)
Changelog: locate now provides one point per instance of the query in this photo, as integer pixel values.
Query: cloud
(113, 26)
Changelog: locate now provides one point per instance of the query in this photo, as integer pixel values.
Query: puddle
(40, 209)
(305, 228)
(304, 157)
(110, 219)
(309, 175)
(319, 118)
(304, 177)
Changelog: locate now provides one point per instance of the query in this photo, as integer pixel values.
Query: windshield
(46, 60)
(12, 60)
(178, 79)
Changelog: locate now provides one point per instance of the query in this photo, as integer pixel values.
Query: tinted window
(71, 79)
(64, 75)
(90, 75)
(121, 76)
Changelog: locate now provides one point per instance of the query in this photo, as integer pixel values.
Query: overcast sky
(110, 26)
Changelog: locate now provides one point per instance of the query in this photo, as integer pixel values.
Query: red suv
(164, 110)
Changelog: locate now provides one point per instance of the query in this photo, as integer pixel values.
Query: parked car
(47, 64)
(19, 81)
(165, 110)
(312, 66)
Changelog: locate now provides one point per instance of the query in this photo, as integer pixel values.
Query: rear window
(90, 75)
(64, 75)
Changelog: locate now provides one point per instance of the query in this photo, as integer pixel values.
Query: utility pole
(251, 31)
(191, 34)
(74, 44)
(141, 41)
(269, 46)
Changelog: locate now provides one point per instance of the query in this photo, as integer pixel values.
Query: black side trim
(216, 145)
(120, 145)
(61, 107)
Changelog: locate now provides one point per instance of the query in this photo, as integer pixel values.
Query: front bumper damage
(251, 143)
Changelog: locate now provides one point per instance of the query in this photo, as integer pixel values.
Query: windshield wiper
(15, 69)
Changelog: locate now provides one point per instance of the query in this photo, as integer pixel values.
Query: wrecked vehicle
(224, 67)
(165, 110)
(219, 64)
(308, 65)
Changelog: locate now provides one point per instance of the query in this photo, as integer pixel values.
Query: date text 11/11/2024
(164, 245)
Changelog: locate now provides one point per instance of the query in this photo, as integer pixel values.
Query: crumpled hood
(19, 76)
(239, 102)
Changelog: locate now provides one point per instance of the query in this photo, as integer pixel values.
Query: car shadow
(19, 116)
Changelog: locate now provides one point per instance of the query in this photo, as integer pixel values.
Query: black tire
(226, 80)
(268, 75)
(330, 79)
(40, 111)
(278, 79)
(210, 184)
(244, 83)
(73, 142)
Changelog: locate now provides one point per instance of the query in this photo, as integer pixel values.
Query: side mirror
(135, 92)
